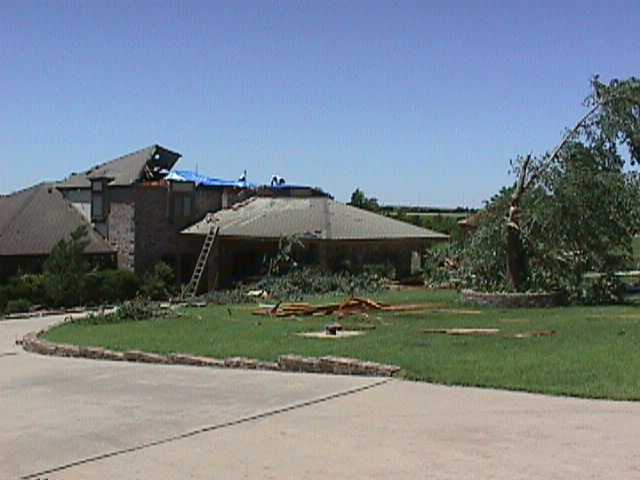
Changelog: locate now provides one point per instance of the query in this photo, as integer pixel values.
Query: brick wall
(157, 236)
(120, 225)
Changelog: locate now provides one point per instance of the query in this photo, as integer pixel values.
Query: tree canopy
(360, 200)
(572, 210)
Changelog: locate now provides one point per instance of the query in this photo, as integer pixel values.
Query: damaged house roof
(128, 169)
(320, 218)
(33, 220)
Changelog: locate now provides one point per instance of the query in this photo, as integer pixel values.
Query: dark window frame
(178, 201)
(99, 191)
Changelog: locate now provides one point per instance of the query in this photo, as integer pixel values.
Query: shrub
(231, 296)
(383, 270)
(134, 310)
(119, 285)
(309, 281)
(111, 286)
(5, 295)
(159, 284)
(601, 290)
(442, 265)
(28, 287)
(31, 287)
(65, 270)
(300, 283)
(18, 306)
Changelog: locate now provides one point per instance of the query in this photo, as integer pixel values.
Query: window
(181, 201)
(98, 201)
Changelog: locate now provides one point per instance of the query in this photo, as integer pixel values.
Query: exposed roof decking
(318, 218)
(125, 170)
(33, 220)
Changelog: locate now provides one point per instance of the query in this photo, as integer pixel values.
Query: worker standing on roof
(243, 177)
(277, 180)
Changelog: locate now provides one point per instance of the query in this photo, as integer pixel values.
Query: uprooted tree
(571, 211)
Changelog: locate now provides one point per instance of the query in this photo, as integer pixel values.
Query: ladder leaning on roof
(192, 287)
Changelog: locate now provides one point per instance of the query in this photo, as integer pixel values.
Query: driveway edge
(33, 342)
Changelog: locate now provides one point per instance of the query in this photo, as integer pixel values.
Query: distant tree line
(443, 220)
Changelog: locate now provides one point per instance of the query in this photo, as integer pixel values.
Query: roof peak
(125, 169)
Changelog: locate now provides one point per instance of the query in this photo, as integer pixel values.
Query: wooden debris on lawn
(474, 332)
(438, 309)
(541, 333)
(326, 335)
(488, 332)
(351, 306)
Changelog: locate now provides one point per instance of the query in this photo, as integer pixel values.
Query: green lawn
(595, 353)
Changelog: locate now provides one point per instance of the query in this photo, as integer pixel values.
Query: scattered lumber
(351, 306)
(487, 332)
(474, 332)
(541, 333)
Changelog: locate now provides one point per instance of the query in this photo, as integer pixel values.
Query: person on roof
(277, 181)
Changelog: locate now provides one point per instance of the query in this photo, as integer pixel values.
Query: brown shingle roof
(33, 220)
(125, 170)
(313, 218)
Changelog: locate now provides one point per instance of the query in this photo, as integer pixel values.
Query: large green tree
(66, 268)
(571, 210)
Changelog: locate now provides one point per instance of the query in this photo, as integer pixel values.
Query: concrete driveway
(73, 418)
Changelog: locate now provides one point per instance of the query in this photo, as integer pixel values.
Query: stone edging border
(32, 342)
(513, 300)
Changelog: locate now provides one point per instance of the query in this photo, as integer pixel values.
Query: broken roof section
(33, 220)
(147, 164)
(317, 218)
(212, 182)
(187, 176)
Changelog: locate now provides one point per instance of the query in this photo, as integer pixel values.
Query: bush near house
(110, 286)
(19, 294)
(68, 281)
(17, 306)
(94, 288)
(301, 283)
(159, 283)
(65, 270)
(441, 265)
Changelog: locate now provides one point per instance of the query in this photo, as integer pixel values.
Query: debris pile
(351, 306)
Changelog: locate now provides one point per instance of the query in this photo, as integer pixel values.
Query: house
(139, 205)
(32, 221)
(333, 235)
(132, 211)
(140, 211)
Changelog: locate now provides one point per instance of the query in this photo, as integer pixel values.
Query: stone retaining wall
(293, 363)
(513, 300)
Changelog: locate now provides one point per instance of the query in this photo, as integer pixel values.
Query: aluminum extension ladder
(192, 287)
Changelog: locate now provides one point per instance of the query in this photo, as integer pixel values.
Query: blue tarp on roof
(187, 176)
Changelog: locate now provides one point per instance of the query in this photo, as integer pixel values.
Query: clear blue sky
(414, 102)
